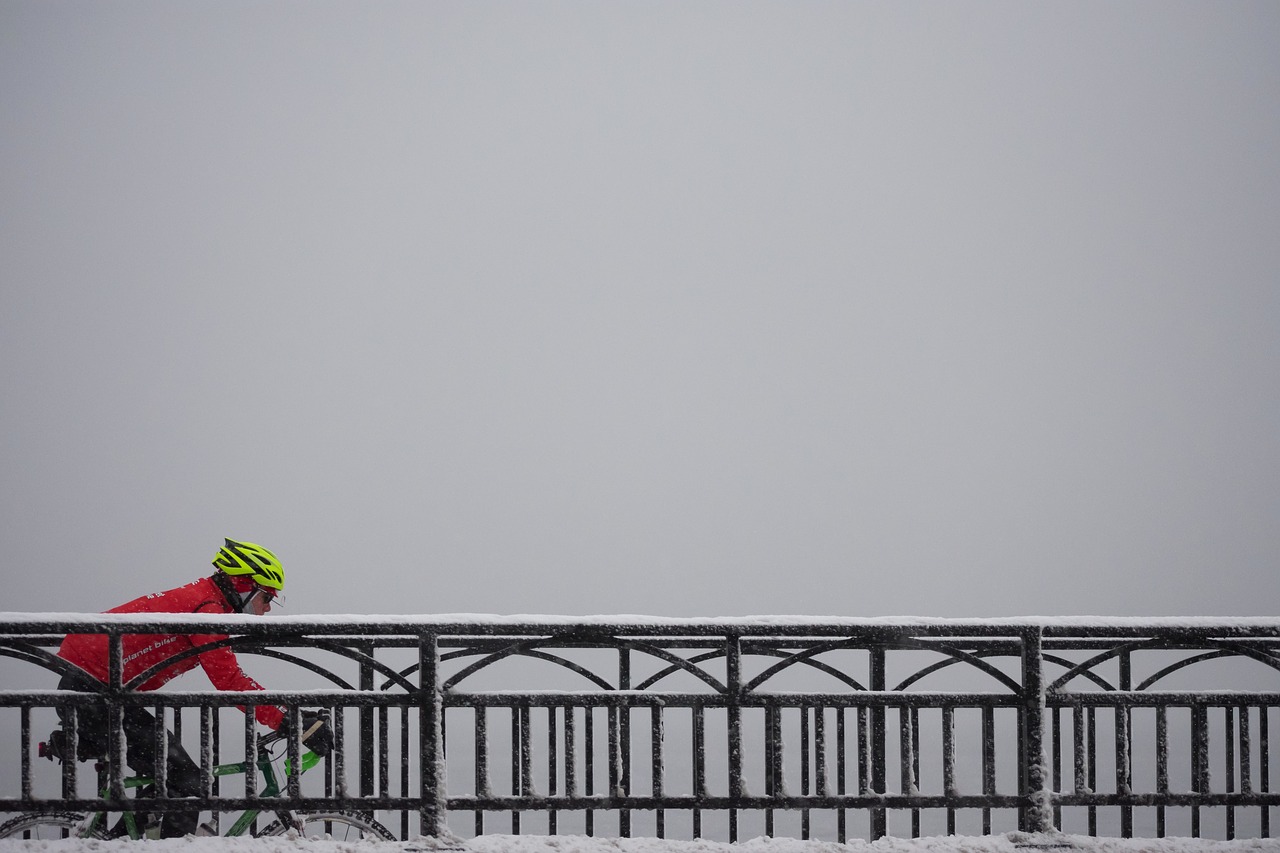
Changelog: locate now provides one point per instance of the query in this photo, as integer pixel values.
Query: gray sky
(678, 308)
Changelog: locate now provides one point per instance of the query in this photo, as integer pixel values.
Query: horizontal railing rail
(693, 728)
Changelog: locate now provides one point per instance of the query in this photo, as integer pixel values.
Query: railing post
(879, 816)
(1035, 775)
(1124, 746)
(733, 682)
(430, 709)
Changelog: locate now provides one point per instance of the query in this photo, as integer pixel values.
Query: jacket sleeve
(224, 671)
(221, 665)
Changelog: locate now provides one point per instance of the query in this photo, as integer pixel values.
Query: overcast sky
(673, 308)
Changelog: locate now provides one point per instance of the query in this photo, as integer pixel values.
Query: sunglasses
(272, 596)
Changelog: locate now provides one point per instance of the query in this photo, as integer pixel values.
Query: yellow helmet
(245, 558)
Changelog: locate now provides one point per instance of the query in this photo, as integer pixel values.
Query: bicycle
(342, 825)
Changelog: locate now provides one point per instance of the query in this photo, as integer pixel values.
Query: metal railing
(705, 728)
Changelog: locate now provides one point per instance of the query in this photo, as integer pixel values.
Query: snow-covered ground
(1014, 842)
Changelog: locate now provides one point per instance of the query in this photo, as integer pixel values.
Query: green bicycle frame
(271, 787)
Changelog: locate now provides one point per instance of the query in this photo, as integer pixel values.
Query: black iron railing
(704, 728)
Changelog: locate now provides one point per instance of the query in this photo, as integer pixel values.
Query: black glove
(316, 734)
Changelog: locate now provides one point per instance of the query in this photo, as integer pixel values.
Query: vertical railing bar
(1092, 783)
(207, 780)
(1206, 773)
(771, 736)
(215, 748)
(553, 768)
(1124, 745)
(1199, 760)
(293, 749)
(71, 729)
(1123, 777)
(820, 750)
(879, 816)
(526, 752)
(481, 755)
(699, 765)
(293, 784)
(1034, 708)
(1264, 767)
(218, 737)
(517, 769)
(334, 767)
(624, 739)
(904, 750)
(1197, 735)
(656, 737)
(1162, 764)
(250, 752)
(1078, 748)
(161, 735)
(1055, 750)
(160, 743)
(1246, 751)
(769, 755)
(571, 751)
(25, 725)
(841, 774)
(404, 767)
(733, 682)
(949, 786)
(589, 746)
(430, 712)
(806, 745)
(615, 760)
(988, 763)
(384, 751)
(915, 768)
(1022, 763)
(365, 722)
(115, 715)
(1229, 782)
(864, 752)
(778, 780)
(177, 724)
(336, 763)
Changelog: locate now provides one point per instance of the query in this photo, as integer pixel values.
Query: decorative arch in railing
(533, 649)
(807, 658)
(1221, 649)
(29, 653)
(1227, 650)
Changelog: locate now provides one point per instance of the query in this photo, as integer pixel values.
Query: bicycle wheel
(48, 827)
(341, 826)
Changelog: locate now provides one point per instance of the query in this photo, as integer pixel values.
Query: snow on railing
(721, 728)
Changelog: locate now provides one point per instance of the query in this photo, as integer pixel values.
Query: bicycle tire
(320, 824)
(37, 826)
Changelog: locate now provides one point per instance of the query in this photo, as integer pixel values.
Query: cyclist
(247, 580)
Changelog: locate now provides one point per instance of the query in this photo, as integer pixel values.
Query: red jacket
(143, 651)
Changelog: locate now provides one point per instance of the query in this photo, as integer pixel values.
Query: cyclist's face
(259, 602)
